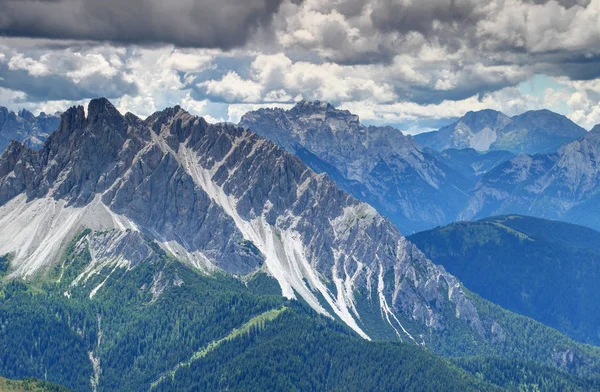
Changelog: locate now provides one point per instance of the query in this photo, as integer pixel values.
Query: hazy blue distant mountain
(536, 131)
(563, 185)
(547, 270)
(379, 165)
(25, 127)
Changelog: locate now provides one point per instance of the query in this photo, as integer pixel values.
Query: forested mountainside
(546, 270)
(162, 326)
(29, 385)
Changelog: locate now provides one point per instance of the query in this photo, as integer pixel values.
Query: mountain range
(25, 127)
(157, 242)
(419, 188)
(536, 131)
(217, 197)
(416, 187)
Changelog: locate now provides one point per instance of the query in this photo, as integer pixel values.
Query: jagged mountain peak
(314, 120)
(26, 114)
(101, 109)
(165, 114)
(310, 112)
(312, 106)
(72, 119)
(322, 111)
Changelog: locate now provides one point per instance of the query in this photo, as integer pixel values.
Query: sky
(414, 64)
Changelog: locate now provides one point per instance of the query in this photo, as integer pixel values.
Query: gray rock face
(564, 185)
(25, 127)
(536, 131)
(220, 197)
(379, 165)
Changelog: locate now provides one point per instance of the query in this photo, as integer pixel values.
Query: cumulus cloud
(276, 78)
(497, 31)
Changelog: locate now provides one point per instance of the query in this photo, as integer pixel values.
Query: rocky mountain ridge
(217, 197)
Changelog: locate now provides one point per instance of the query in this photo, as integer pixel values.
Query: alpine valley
(171, 254)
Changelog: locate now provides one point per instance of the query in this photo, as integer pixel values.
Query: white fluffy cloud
(276, 78)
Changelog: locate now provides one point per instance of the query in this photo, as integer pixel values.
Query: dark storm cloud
(427, 16)
(189, 23)
(421, 15)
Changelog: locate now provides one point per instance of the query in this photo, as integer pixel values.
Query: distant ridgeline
(466, 170)
(546, 270)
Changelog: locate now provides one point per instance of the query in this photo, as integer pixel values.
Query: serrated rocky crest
(25, 127)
